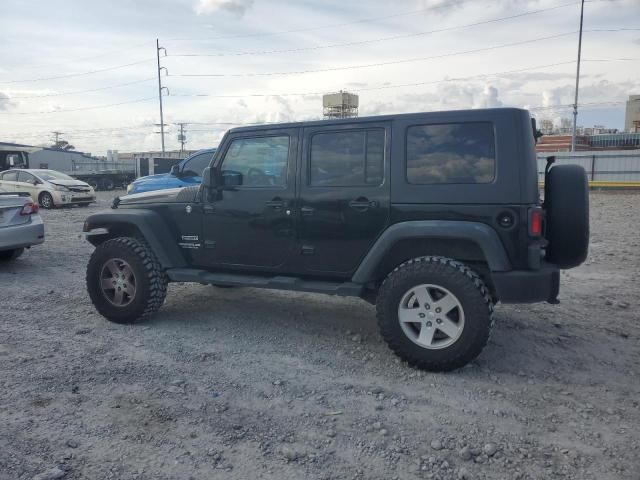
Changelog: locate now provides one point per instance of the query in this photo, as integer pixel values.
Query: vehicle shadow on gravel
(518, 343)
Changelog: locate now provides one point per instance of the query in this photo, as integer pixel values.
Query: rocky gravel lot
(245, 384)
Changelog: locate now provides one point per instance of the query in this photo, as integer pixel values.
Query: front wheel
(125, 280)
(46, 200)
(435, 313)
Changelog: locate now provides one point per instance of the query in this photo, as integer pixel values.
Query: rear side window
(10, 176)
(347, 158)
(451, 153)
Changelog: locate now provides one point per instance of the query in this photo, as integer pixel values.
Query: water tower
(340, 105)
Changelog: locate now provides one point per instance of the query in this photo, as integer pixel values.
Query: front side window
(451, 153)
(26, 177)
(260, 162)
(347, 158)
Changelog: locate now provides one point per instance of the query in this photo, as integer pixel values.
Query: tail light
(536, 215)
(29, 208)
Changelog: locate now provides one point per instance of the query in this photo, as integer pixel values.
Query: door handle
(276, 204)
(307, 211)
(362, 204)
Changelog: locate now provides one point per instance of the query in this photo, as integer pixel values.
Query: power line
(383, 87)
(375, 40)
(93, 107)
(391, 62)
(90, 72)
(379, 64)
(60, 94)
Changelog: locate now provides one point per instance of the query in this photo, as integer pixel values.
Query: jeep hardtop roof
(377, 118)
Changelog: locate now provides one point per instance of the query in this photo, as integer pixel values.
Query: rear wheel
(7, 255)
(107, 184)
(435, 313)
(46, 200)
(125, 280)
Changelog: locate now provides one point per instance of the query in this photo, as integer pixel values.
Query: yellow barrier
(604, 184)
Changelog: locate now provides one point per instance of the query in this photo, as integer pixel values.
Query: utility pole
(575, 103)
(182, 138)
(56, 137)
(160, 88)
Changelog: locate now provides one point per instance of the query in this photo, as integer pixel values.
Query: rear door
(9, 180)
(343, 203)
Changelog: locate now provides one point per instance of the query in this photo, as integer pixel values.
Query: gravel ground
(244, 383)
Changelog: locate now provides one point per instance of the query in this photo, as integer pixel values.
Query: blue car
(186, 173)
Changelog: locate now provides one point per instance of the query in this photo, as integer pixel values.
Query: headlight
(129, 187)
(60, 188)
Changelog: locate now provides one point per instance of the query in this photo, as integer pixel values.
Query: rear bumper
(528, 286)
(25, 235)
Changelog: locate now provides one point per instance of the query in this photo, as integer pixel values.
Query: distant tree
(62, 145)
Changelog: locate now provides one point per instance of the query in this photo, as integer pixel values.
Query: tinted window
(261, 161)
(26, 177)
(197, 164)
(452, 153)
(348, 158)
(10, 176)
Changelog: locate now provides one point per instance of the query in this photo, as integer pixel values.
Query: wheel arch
(144, 224)
(474, 243)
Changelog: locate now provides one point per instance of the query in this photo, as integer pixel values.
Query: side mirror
(175, 170)
(231, 179)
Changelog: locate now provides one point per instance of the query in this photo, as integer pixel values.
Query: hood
(169, 195)
(68, 183)
(152, 178)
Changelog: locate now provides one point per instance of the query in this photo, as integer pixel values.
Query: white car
(50, 188)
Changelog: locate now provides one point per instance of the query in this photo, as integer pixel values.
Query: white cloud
(488, 98)
(5, 101)
(235, 7)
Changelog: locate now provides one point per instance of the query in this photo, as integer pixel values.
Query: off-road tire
(567, 212)
(459, 279)
(45, 199)
(7, 255)
(151, 282)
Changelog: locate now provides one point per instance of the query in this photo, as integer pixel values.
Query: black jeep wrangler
(434, 217)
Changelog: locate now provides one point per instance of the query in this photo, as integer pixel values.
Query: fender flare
(479, 233)
(149, 223)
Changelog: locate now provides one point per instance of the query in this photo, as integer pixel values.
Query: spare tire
(567, 215)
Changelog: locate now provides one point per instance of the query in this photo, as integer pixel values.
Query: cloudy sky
(246, 61)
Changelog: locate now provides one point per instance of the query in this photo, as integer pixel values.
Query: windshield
(52, 175)
(197, 164)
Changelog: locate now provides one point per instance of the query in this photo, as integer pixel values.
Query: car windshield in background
(49, 175)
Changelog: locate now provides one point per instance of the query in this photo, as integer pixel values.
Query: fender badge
(188, 209)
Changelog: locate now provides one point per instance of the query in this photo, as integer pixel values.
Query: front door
(27, 183)
(344, 195)
(252, 225)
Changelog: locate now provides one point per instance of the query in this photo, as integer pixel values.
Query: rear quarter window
(454, 153)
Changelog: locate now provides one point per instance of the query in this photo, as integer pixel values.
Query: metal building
(340, 105)
(632, 114)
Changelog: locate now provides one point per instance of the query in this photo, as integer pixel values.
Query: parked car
(433, 217)
(50, 188)
(20, 224)
(185, 174)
